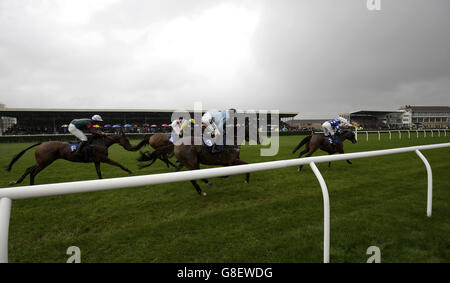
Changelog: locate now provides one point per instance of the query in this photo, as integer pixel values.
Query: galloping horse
(316, 141)
(161, 142)
(96, 152)
(194, 154)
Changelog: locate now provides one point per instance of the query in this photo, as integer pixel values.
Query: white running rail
(423, 132)
(9, 194)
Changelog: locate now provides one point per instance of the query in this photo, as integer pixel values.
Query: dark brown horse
(316, 141)
(161, 142)
(96, 152)
(196, 153)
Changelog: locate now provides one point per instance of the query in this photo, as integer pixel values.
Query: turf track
(278, 217)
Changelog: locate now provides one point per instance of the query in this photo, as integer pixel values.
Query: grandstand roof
(430, 108)
(281, 114)
(374, 112)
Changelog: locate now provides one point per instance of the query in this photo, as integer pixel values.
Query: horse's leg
(165, 159)
(178, 168)
(112, 162)
(307, 148)
(27, 171)
(142, 166)
(241, 162)
(348, 161)
(39, 167)
(168, 162)
(308, 155)
(207, 182)
(329, 163)
(97, 168)
(193, 164)
(197, 188)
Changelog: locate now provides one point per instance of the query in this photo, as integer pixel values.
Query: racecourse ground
(278, 217)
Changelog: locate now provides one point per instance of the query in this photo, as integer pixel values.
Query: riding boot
(215, 148)
(335, 142)
(79, 151)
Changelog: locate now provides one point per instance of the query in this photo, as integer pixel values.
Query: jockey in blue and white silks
(331, 127)
(215, 122)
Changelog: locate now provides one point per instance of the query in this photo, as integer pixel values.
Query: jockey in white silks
(331, 127)
(215, 122)
(178, 127)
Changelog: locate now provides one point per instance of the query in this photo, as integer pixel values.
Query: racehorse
(161, 142)
(316, 141)
(193, 154)
(96, 151)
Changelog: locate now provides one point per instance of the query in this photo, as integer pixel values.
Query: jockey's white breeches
(77, 132)
(328, 129)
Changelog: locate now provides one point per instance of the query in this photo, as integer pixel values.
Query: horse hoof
(204, 194)
(12, 182)
(247, 182)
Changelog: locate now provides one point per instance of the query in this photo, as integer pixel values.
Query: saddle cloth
(74, 145)
(207, 142)
(171, 139)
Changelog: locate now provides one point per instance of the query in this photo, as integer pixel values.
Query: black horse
(317, 141)
(96, 152)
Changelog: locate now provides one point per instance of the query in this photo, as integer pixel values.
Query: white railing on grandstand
(9, 194)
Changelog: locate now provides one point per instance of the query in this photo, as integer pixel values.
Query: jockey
(331, 127)
(215, 125)
(179, 125)
(77, 126)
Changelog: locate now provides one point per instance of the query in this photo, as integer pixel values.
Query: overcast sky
(316, 57)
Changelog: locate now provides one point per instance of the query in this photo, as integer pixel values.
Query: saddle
(213, 148)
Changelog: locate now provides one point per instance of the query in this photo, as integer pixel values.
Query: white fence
(409, 133)
(9, 194)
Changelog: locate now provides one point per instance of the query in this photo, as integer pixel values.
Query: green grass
(278, 217)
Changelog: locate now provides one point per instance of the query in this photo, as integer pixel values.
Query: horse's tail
(15, 158)
(303, 142)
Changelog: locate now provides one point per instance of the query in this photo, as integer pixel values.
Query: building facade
(427, 116)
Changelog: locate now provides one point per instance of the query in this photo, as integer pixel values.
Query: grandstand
(24, 121)
(405, 117)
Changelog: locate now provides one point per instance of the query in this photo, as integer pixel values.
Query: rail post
(390, 135)
(367, 136)
(409, 134)
(5, 213)
(379, 136)
(430, 182)
(399, 135)
(326, 213)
